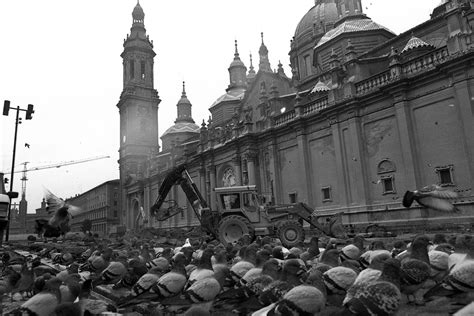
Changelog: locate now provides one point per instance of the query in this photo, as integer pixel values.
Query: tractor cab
(238, 200)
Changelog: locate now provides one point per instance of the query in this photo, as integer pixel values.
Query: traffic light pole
(17, 121)
(29, 111)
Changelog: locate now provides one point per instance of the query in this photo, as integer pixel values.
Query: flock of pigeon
(251, 277)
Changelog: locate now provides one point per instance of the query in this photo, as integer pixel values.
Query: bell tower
(138, 104)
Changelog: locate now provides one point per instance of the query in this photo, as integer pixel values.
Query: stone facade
(101, 205)
(365, 116)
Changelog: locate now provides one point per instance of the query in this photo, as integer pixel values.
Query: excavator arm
(333, 228)
(180, 176)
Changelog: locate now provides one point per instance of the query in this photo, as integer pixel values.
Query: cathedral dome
(355, 24)
(138, 13)
(322, 13)
(231, 95)
(182, 127)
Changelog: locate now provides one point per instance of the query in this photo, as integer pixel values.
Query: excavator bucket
(164, 213)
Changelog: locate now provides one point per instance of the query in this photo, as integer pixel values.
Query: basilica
(364, 116)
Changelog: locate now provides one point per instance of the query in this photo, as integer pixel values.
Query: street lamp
(29, 111)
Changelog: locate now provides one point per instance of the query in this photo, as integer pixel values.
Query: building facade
(364, 116)
(101, 205)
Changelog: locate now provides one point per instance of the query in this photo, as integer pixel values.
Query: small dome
(182, 127)
(232, 95)
(415, 42)
(352, 25)
(320, 87)
(236, 62)
(324, 12)
(138, 13)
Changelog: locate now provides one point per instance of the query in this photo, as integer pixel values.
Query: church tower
(138, 104)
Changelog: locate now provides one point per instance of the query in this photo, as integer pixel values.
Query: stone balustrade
(285, 118)
(316, 106)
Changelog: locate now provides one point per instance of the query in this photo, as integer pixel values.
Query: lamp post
(29, 110)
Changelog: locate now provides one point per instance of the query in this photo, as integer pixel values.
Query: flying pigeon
(62, 212)
(432, 196)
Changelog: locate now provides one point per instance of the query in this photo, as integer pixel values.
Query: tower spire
(264, 64)
(184, 108)
(237, 71)
(251, 73)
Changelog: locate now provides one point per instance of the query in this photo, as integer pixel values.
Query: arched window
(228, 177)
(386, 170)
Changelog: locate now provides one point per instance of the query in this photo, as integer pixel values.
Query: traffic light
(29, 111)
(6, 107)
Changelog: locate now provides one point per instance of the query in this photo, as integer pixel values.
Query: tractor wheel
(233, 227)
(291, 234)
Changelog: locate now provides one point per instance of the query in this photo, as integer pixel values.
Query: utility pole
(29, 110)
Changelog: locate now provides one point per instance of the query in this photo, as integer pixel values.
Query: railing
(315, 106)
(285, 118)
(412, 67)
(425, 62)
(373, 82)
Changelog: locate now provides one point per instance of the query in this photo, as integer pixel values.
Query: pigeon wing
(443, 193)
(437, 204)
(52, 201)
(74, 210)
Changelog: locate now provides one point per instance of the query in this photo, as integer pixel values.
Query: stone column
(304, 168)
(251, 158)
(340, 170)
(358, 165)
(465, 102)
(146, 204)
(411, 171)
(237, 161)
(212, 176)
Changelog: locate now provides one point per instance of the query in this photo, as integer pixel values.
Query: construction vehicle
(240, 212)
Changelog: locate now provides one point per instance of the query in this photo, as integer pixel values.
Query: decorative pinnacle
(184, 90)
(236, 50)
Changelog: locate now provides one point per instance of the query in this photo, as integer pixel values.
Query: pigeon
(25, 284)
(61, 211)
(203, 269)
(301, 300)
(9, 282)
(44, 303)
(434, 197)
(172, 282)
(112, 274)
(203, 290)
(415, 269)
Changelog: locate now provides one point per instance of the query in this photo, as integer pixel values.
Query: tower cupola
(184, 108)
(237, 72)
(264, 64)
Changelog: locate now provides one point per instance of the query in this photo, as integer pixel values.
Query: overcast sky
(64, 58)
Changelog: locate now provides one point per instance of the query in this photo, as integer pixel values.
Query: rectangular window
(326, 192)
(388, 184)
(132, 69)
(115, 213)
(445, 175)
(142, 69)
(115, 203)
(293, 197)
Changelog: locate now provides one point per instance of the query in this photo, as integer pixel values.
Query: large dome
(358, 24)
(182, 127)
(323, 12)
